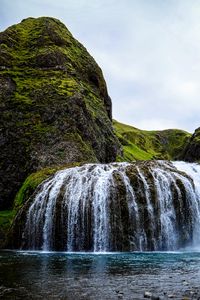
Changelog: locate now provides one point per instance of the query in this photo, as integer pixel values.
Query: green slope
(146, 145)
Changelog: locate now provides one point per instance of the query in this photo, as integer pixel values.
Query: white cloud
(157, 123)
(149, 52)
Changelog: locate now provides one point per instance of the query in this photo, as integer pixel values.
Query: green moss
(67, 86)
(22, 99)
(30, 185)
(6, 217)
(191, 151)
(32, 182)
(26, 190)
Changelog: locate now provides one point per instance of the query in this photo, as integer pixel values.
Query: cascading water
(116, 207)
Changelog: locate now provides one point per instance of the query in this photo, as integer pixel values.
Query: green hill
(146, 145)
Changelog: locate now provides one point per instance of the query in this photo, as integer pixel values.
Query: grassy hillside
(146, 145)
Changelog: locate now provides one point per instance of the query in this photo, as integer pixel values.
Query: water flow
(116, 207)
(192, 185)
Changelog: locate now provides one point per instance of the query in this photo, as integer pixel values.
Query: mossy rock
(191, 151)
(54, 103)
(22, 200)
(6, 219)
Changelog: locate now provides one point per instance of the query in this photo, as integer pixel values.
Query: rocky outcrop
(54, 103)
(191, 151)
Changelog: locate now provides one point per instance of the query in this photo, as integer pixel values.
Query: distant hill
(146, 145)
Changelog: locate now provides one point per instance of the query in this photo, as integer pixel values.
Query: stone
(147, 294)
(185, 282)
(155, 297)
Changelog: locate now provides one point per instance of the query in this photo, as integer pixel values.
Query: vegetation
(6, 218)
(191, 151)
(56, 109)
(27, 189)
(146, 145)
(33, 180)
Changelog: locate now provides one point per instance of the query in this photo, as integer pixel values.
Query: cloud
(149, 52)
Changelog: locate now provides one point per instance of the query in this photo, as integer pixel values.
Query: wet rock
(147, 294)
(155, 297)
(119, 292)
(185, 282)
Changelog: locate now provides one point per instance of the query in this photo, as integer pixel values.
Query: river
(61, 275)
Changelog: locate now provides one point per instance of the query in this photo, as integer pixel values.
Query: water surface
(56, 275)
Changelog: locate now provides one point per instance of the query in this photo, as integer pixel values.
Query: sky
(149, 51)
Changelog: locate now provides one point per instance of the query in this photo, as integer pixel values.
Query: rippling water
(39, 275)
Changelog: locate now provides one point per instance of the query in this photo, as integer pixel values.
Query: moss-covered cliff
(191, 151)
(54, 104)
(146, 145)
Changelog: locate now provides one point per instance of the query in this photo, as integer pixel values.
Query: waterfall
(138, 206)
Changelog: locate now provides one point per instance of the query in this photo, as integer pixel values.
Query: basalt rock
(54, 103)
(191, 152)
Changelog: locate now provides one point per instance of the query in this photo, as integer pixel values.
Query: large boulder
(54, 103)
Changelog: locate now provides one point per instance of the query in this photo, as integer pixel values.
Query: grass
(147, 145)
(6, 218)
(30, 184)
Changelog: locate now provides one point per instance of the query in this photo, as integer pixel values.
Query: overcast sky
(149, 51)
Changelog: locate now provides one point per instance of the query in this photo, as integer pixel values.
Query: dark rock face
(54, 104)
(191, 152)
